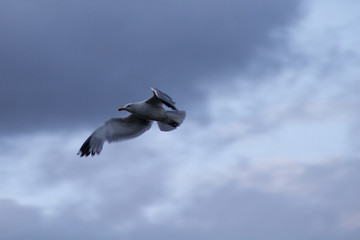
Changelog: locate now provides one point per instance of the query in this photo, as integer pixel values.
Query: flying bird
(140, 119)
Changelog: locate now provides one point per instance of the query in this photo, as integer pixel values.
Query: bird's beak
(121, 109)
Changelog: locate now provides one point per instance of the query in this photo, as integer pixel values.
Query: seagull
(140, 119)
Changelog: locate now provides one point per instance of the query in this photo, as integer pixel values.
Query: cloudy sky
(269, 148)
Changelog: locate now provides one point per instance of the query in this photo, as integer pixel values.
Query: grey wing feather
(161, 97)
(115, 129)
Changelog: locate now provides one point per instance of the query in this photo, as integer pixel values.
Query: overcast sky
(269, 147)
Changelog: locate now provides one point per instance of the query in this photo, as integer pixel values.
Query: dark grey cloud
(69, 61)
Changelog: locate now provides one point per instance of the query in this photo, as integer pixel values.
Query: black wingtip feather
(85, 148)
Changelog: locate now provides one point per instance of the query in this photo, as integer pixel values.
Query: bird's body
(136, 123)
(148, 111)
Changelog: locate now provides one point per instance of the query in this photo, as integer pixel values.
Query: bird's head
(128, 107)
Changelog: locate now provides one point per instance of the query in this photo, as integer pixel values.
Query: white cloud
(279, 125)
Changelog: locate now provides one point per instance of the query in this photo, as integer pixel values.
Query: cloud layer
(62, 62)
(268, 152)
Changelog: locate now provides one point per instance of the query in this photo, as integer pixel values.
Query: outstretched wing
(115, 129)
(160, 97)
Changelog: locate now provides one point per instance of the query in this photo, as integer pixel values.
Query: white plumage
(136, 123)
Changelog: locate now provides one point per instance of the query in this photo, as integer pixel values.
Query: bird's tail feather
(174, 119)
